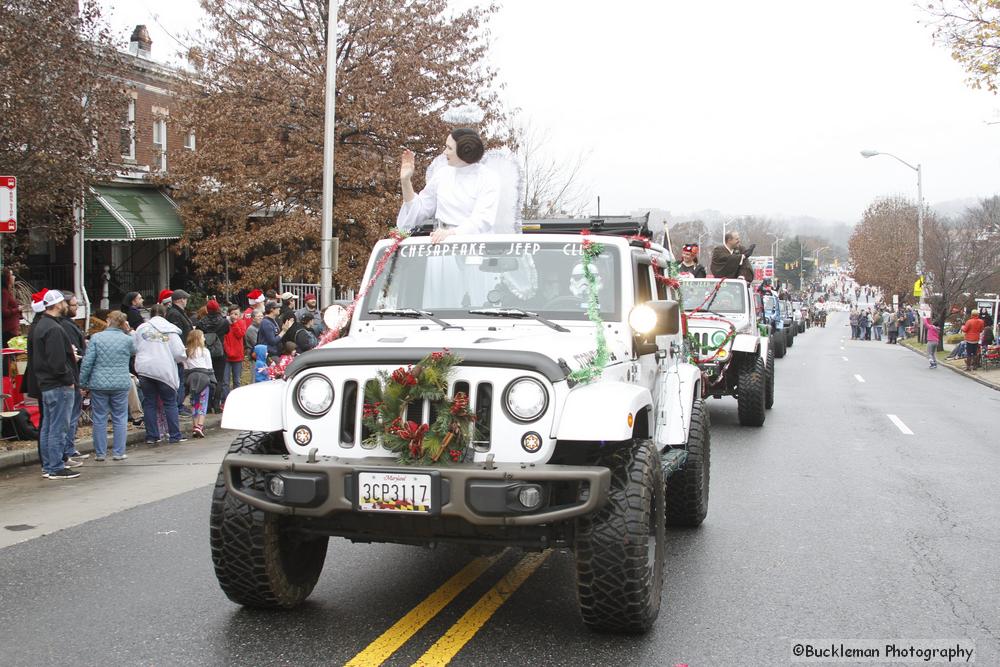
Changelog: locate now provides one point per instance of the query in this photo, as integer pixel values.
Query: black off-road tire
(789, 336)
(687, 489)
(620, 549)
(778, 343)
(259, 561)
(769, 369)
(751, 389)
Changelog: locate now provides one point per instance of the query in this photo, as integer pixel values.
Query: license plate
(395, 492)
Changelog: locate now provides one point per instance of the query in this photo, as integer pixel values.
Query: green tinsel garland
(593, 368)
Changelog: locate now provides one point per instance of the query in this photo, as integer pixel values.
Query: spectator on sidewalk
(312, 308)
(288, 303)
(177, 315)
(973, 329)
(79, 346)
(260, 363)
(11, 308)
(29, 383)
(305, 338)
(158, 351)
(877, 320)
(250, 339)
(55, 374)
(132, 307)
(105, 372)
(853, 319)
(200, 378)
(933, 340)
(235, 352)
(256, 299)
(215, 326)
(269, 333)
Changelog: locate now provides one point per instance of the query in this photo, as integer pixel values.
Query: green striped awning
(119, 213)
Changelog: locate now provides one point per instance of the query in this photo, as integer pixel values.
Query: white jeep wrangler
(597, 467)
(724, 335)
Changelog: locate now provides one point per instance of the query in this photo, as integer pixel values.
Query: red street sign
(8, 204)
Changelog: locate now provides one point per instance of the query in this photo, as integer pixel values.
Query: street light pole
(920, 216)
(774, 247)
(327, 251)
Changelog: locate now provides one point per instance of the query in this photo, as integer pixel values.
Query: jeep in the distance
(724, 337)
(598, 467)
(776, 322)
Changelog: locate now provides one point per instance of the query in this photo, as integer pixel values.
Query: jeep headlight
(642, 319)
(525, 399)
(314, 395)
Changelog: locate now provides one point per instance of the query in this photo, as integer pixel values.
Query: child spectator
(260, 363)
(199, 377)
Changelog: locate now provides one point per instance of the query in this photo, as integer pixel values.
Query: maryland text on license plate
(394, 492)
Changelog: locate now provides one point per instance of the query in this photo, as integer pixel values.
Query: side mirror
(335, 317)
(656, 318)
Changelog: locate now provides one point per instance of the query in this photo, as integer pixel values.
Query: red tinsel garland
(397, 237)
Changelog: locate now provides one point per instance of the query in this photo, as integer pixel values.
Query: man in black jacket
(177, 315)
(215, 325)
(54, 374)
(79, 345)
(732, 260)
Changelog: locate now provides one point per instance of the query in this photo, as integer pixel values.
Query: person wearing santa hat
(165, 297)
(256, 299)
(28, 384)
(689, 262)
(54, 369)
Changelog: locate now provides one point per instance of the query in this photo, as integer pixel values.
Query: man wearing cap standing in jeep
(732, 260)
(53, 368)
(689, 262)
(177, 315)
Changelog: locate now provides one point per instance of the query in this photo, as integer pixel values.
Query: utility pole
(328, 249)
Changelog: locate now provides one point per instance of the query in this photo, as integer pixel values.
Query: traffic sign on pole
(8, 204)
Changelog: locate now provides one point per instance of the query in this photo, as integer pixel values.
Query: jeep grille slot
(349, 414)
(461, 387)
(415, 412)
(370, 386)
(484, 412)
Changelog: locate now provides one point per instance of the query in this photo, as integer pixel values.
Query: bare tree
(553, 185)
(963, 256)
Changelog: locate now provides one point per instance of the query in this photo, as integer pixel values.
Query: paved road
(828, 523)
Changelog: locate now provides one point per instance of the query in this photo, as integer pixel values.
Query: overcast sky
(743, 107)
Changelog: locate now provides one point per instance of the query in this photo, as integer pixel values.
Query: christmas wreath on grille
(446, 439)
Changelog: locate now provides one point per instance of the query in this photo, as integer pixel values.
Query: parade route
(860, 510)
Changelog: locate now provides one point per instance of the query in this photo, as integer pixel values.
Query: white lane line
(859, 378)
(900, 425)
(844, 358)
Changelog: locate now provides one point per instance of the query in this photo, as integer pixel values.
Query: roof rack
(607, 225)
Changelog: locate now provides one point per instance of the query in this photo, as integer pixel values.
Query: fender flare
(745, 343)
(601, 410)
(256, 407)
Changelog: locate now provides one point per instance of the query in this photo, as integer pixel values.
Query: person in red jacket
(972, 329)
(11, 309)
(232, 343)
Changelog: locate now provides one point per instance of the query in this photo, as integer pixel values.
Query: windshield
(770, 303)
(449, 279)
(729, 299)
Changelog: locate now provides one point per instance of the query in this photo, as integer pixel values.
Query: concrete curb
(30, 456)
(984, 382)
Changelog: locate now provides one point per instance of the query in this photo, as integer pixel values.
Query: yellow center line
(473, 620)
(389, 641)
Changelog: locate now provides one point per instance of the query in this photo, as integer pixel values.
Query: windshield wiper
(518, 313)
(410, 312)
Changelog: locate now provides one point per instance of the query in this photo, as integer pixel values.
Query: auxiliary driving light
(530, 497)
(276, 486)
(642, 319)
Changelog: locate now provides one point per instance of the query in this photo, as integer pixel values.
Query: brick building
(129, 224)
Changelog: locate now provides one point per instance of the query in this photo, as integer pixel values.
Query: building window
(160, 141)
(126, 136)
(189, 141)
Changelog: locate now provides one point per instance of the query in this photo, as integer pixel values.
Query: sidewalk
(988, 377)
(29, 456)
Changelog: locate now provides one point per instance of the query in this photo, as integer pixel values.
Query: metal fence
(301, 289)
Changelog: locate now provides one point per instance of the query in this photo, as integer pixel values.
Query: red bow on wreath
(414, 433)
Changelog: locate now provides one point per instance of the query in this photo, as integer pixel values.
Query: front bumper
(468, 491)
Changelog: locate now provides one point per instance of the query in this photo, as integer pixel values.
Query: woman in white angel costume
(469, 191)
